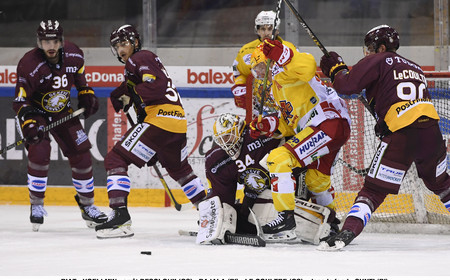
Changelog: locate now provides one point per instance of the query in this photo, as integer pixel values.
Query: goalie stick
(178, 206)
(324, 51)
(47, 128)
(234, 238)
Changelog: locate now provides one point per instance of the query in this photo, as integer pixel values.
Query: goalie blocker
(217, 220)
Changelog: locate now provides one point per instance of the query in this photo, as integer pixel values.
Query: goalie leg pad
(215, 220)
(311, 221)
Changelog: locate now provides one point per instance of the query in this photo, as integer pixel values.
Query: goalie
(239, 160)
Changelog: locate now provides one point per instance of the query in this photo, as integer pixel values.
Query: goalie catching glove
(278, 52)
(332, 64)
(267, 126)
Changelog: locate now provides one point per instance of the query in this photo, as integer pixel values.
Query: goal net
(414, 205)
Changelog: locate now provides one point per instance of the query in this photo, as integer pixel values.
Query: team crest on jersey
(255, 179)
(389, 60)
(286, 109)
(55, 101)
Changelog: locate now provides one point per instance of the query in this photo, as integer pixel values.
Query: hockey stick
(361, 172)
(234, 238)
(264, 89)
(322, 48)
(47, 128)
(178, 206)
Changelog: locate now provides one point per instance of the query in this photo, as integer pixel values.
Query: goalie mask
(125, 33)
(49, 30)
(266, 18)
(228, 130)
(381, 35)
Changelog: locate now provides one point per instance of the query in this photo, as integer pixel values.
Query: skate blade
(323, 246)
(282, 237)
(120, 232)
(35, 227)
(91, 224)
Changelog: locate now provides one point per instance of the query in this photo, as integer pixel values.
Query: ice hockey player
(158, 135)
(407, 124)
(239, 159)
(315, 118)
(264, 22)
(45, 77)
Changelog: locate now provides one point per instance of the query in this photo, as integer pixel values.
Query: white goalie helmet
(266, 17)
(228, 130)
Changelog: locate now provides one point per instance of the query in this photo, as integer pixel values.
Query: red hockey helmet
(382, 35)
(125, 33)
(49, 29)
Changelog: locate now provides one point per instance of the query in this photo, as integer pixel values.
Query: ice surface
(64, 246)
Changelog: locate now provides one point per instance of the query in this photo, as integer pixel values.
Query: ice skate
(37, 216)
(281, 229)
(91, 214)
(337, 242)
(118, 225)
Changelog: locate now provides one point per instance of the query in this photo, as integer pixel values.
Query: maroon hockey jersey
(153, 84)
(223, 173)
(47, 86)
(396, 89)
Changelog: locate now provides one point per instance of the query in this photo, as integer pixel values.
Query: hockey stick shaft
(47, 128)
(178, 206)
(263, 93)
(361, 172)
(322, 48)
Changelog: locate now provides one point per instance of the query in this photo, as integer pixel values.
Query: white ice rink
(64, 246)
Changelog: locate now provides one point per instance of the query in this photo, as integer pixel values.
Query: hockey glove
(332, 64)
(267, 126)
(278, 52)
(33, 131)
(239, 92)
(88, 101)
(117, 98)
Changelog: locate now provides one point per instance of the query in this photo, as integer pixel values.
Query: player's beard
(52, 56)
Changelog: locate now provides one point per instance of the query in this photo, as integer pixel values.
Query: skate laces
(111, 215)
(38, 211)
(92, 211)
(277, 221)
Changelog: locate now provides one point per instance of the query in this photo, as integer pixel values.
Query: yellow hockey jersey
(241, 64)
(303, 99)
